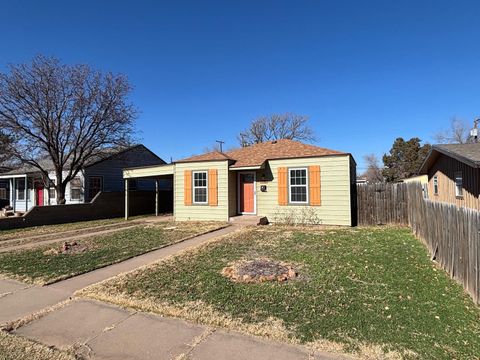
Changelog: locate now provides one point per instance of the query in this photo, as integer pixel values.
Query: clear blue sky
(366, 72)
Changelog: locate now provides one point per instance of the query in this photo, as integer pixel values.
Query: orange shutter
(187, 189)
(212, 187)
(315, 185)
(282, 186)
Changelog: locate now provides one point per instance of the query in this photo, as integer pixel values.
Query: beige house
(281, 180)
(453, 172)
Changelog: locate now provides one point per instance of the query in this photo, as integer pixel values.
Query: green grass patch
(365, 288)
(41, 265)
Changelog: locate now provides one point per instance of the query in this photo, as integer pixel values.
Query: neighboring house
(273, 179)
(422, 179)
(361, 180)
(453, 172)
(23, 187)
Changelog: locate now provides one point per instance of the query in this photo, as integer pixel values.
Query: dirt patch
(259, 270)
(68, 248)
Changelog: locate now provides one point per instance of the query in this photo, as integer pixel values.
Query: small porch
(21, 192)
(162, 175)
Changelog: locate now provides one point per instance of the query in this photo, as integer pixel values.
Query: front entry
(246, 183)
(39, 196)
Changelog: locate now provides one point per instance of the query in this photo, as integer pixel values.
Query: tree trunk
(60, 190)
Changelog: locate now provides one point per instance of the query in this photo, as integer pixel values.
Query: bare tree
(458, 133)
(277, 126)
(4, 148)
(373, 174)
(66, 114)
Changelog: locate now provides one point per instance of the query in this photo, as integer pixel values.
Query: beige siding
(445, 168)
(201, 212)
(335, 193)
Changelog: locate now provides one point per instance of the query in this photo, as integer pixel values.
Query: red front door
(247, 193)
(39, 196)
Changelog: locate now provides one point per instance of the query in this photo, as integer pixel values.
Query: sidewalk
(103, 331)
(18, 300)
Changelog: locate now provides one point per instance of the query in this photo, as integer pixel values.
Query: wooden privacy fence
(450, 233)
(380, 204)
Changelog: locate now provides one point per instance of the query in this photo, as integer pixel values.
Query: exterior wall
(68, 198)
(422, 179)
(445, 168)
(202, 212)
(111, 170)
(335, 208)
(232, 193)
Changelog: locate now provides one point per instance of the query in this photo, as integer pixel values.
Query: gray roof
(47, 164)
(466, 153)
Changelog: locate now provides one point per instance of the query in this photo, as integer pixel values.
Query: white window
(76, 189)
(435, 185)
(200, 189)
(458, 184)
(298, 186)
(20, 189)
(52, 194)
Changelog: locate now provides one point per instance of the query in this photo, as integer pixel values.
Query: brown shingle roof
(257, 154)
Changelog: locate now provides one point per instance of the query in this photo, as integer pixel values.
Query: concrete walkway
(18, 300)
(101, 331)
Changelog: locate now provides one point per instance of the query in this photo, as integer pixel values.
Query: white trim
(12, 176)
(199, 187)
(243, 168)
(307, 182)
(459, 175)
(436, 189)
(239, 193)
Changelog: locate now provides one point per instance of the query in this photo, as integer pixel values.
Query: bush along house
(284, 181)
(22, 188)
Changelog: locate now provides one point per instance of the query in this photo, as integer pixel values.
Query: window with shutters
(200, 187)
(298, 186)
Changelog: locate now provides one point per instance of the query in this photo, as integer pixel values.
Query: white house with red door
(23, 188)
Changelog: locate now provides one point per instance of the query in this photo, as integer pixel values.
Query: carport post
(156, 197)
(126, 199)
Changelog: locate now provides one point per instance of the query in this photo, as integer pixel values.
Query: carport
(155, 173)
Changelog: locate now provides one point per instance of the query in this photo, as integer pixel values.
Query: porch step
(248, 220)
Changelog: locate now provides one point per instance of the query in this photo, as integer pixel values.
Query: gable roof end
(466, 153)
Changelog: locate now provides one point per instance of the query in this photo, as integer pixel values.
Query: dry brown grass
(14, 347)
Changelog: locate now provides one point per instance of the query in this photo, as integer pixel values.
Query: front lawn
(53, 229)
(370, 291)
(46, 264)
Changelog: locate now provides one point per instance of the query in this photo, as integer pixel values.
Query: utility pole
(220, 142)
(474, 131)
